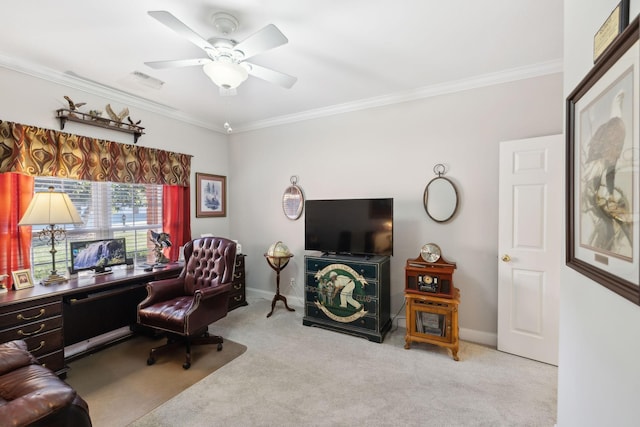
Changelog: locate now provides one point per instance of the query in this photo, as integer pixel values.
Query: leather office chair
(185, 306)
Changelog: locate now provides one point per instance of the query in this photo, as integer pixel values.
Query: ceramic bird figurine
(72, 105)
(161, 241)
(132, 122)
(117, 117)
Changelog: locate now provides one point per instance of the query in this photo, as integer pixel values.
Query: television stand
(348, 294)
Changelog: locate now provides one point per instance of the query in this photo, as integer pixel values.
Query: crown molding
(491, 79)
(75, 81)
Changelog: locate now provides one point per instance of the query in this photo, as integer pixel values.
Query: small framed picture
(211, 195)
(22, 279)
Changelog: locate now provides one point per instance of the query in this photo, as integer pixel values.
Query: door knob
(506, 258)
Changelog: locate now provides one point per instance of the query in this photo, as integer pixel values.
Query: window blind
(108, 210)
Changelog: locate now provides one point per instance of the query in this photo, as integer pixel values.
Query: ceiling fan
(226, 63)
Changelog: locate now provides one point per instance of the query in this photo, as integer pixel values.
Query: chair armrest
(211, 292)
(162, 290)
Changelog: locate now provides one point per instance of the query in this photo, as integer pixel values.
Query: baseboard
(479, 337)
(87, 345)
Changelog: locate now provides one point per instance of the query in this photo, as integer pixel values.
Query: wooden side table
(433, 320)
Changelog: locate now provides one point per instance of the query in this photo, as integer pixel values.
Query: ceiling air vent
(147, 80)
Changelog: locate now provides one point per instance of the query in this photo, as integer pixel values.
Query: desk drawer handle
(238, 286)
(238, 298)
(26, 334)
(21, 317)
(39, 347)
(237, 275)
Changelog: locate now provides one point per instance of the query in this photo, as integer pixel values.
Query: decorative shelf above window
(65, 114)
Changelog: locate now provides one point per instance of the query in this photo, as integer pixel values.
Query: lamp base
(54, 279)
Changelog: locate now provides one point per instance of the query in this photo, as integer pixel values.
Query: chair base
(174, 341)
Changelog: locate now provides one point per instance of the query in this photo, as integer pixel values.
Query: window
(108, 210)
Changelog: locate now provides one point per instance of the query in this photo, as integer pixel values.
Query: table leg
(277, 296)
(280, 298)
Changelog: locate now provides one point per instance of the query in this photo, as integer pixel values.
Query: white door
(531, 212)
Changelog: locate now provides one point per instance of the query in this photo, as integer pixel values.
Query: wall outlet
(292, 282)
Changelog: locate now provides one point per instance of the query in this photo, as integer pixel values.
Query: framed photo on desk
(22, 279)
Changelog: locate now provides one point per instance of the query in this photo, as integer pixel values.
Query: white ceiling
(346, 54)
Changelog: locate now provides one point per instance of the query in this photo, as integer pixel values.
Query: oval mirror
(440, 199)
(293, 201)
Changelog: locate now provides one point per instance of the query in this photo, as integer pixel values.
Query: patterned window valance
(44, 152)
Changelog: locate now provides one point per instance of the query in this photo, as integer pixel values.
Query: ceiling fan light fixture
(227, 75)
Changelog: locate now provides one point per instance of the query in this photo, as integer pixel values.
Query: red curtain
(16, 192)
(176, 209)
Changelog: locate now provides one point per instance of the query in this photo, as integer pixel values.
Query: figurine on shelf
(117, 117)
(95, 114)
(132, 124)
(73, 106)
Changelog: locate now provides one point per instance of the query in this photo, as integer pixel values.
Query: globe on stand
(278, 256)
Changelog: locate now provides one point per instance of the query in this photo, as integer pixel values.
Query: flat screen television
(349, 226)
(87, 255)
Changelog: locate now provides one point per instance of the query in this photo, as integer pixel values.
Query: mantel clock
(430, 273)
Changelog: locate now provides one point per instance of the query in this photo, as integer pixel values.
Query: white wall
(33, 101)
(383, 152)
(599, 373)
(390, 152)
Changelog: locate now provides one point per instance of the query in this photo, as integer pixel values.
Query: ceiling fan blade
(264, 39)
(179, 27)
(176, 63)
(272, 76)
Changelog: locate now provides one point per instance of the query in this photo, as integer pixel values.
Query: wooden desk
(51, 317)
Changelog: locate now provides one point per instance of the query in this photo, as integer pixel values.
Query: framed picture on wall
(211, 195)
(603, 144)
(22, 279)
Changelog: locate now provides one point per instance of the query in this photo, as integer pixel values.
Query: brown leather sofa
(32, 395)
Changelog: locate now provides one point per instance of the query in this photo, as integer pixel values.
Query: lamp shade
(50, 207)
(227, 75)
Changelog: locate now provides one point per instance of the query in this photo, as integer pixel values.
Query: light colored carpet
(295, 375)
(119, 387)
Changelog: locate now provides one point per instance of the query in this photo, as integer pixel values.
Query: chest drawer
(28, 312)
(367, 270)
(237, 296)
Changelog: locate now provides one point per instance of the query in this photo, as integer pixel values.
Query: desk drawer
(42, 344)
(23, 313)
(27, 330)
(53, 361)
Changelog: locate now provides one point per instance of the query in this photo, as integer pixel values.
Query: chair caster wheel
(151, 361)
(186, 365)
(219, 346)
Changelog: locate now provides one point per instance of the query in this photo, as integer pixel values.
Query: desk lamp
(51, 208)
